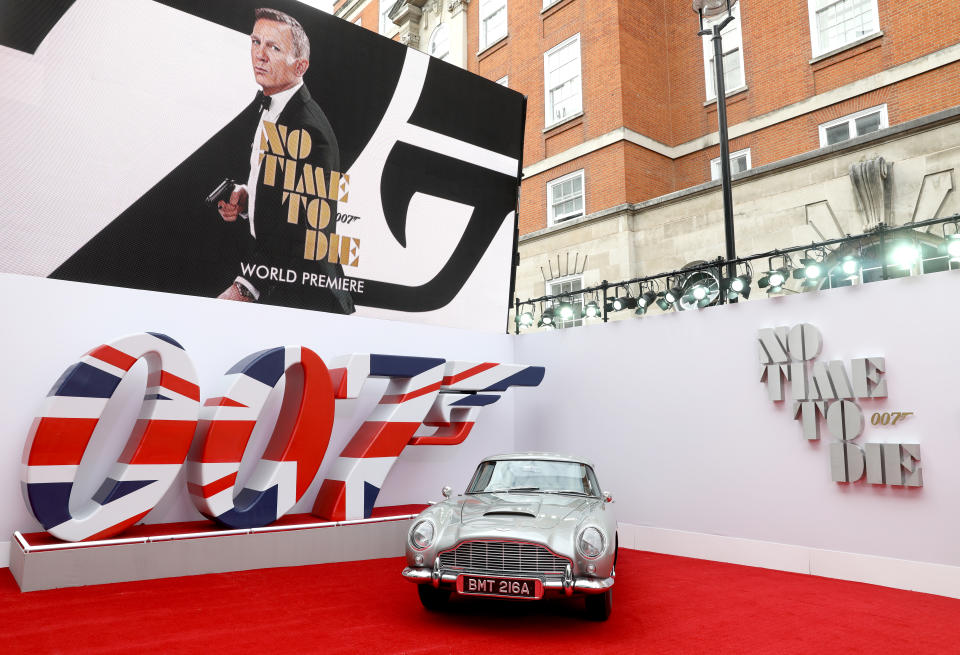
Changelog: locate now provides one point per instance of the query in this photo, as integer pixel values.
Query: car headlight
(590, 543)
(421, 536)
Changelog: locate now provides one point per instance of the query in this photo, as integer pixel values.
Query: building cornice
(903, 130)
(890, 76)
(349, 8)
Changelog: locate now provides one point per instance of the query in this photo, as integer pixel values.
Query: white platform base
(940, 579)
(172, 556)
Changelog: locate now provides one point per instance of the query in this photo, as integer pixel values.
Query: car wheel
(599, 606)
(433, 599)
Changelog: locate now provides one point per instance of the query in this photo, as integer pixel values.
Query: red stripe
(158, 442)
(214, 487)
(60, 441)
(113, 357)
(331, 501)
(380, 439)
(396, 399)
(480, 368)
(116, 529)
(178, 384)
(222, 401)
(338, 376)
(221, 441)
(455, 433)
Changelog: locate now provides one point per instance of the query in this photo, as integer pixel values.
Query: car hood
(520, 510)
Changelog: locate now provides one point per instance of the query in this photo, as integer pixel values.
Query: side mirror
(607, 497)
(446, 491)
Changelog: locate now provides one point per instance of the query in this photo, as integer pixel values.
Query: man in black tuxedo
(289, 199)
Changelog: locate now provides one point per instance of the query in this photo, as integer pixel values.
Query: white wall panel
(672, 410)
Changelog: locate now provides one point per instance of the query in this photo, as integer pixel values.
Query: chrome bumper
(423, 575)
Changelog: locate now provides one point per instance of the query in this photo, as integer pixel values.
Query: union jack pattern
(413, 397)
(292, 456)
(154, 451)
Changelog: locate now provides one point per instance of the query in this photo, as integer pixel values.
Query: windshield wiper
(513, 489)
(564, 491)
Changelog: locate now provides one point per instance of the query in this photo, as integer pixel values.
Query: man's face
(274, 65)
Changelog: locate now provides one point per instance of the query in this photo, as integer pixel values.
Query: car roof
(554, 457)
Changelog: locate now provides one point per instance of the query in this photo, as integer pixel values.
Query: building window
(567, 287)
(549, 3)
(493, 22)
(504, 81)
(835, 23)
(739, 162)
(732, 43)
(854, 125)
(386, 25)
(439, 46)
(563, 98)
(565, 198)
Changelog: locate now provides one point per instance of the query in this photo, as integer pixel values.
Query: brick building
(621, 148)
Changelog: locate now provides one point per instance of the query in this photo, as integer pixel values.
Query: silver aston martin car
(529, 525)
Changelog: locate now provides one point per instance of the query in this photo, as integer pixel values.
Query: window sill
(551, 222)
(552, 126)
(490, 48)
(848, 46)
(736, 91)
(554, 5)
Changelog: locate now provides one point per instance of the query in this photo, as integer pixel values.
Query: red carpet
(662, 604)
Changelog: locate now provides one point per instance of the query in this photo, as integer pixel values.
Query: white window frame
(387, 26)
(504, 81)
(731, 39)
(438, 31)
(851, 119)
(489, 8)
(553, 219)
(549, 117)
(819, 48)
(715, 163)
(575, 297)
(548, 3)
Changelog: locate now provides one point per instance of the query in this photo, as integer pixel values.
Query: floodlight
(592, 309)
(565, 310)
(646, 299)
(547, 317)
(672, 295)
(662, 301)
(526, 318)
(953, 247)
(850, 265)
(904, 255)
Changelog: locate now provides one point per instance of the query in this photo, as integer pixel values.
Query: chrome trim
(566, 586)
(436, 574)
(568, 580)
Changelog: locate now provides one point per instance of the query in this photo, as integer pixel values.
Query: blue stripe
(265, 366)
(251, 509)
(155, 396)
(399, 366)
(169, 340)
(85, 381)
(112, 489)
(370, 494)
(531, 376)
(50, 502)
(476, 400)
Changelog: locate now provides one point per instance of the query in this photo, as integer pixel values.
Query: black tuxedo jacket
(280, 243)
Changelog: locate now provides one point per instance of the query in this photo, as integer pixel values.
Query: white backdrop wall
(673, 412)
(49, 324)
(671, 409)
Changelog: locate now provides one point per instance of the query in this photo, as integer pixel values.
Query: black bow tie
(263, 101)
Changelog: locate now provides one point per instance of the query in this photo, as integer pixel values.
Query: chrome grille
(503, 557)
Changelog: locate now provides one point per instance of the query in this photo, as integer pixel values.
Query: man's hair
(301, 44)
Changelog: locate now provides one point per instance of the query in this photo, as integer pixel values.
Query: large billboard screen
(284, 157)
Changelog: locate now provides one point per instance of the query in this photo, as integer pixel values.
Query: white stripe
(51, 473)
(72, 407)
(103, 366)
(457, 149)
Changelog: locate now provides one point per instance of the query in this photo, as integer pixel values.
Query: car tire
(599, 606)
(433, 599)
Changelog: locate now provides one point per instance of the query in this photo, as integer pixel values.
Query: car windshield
(545, 476)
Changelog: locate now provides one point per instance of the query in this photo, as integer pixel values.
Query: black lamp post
(713, 9)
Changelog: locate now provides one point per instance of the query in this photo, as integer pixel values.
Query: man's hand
(230, 210)
(233, 291)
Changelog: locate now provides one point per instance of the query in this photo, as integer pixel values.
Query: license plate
(482, 585)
